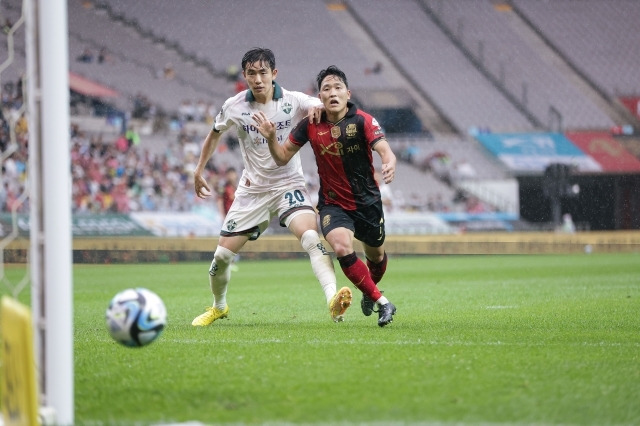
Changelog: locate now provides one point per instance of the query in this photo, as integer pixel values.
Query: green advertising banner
(107, 225)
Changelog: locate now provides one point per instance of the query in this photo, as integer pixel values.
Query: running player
(350, 204)
(265, 189)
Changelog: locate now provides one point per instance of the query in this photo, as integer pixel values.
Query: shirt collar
(277, 93)
(352, 109)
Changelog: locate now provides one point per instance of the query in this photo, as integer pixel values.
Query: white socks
(382, 301)
(321, 262)
(219, 275)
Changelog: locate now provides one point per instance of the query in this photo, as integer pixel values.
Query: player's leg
(386, 309)
(303, 224)
(253, 215)
(219, 276)
(341, 240)
(220, 268)
(376, 262)
(340, 230)
(370, 231)
(376, 270)
(296, 212)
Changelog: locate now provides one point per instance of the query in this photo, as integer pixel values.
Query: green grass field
(476, 340)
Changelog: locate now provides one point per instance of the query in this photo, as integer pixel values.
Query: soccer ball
(136, 317)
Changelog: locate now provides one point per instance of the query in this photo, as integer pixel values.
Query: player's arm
(313, 106)
(208, 148)
(281, 153)
(388, 158)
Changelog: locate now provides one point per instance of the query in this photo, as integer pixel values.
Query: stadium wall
(156, 249)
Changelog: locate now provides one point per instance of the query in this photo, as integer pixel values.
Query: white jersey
(286, 109)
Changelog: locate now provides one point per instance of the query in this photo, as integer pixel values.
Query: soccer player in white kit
(265, 189)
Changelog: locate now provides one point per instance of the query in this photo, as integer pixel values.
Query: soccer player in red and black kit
(349, 198)
(227, 192)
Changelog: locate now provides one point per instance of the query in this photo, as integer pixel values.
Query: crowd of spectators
(117, 174)
(122, 177)
(109, 175)
(14, 148)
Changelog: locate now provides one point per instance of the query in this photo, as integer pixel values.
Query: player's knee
(221, 258)
(342, 245)
(310, 240)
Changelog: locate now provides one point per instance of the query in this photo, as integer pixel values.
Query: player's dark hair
(259, 54)
(331, 70)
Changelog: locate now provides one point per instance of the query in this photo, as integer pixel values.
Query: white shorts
(251, 212)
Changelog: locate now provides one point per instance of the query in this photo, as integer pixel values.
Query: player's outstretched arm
(208, 147)
(281, 153)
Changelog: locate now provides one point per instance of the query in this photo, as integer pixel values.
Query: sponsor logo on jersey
(280, 125)
(334, 148)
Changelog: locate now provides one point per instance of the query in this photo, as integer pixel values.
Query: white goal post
(47, 61)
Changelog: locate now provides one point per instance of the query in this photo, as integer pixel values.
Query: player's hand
(315, 114)
(201, 186)
(265, 127)
(388, 172)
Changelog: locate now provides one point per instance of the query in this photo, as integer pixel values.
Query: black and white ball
(136, 317)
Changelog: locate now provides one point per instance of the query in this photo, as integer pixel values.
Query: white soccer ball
(136, 317)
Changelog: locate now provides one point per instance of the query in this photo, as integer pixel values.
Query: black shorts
(366, 223)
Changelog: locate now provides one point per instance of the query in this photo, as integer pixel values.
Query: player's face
(334, 95)
(259, 77)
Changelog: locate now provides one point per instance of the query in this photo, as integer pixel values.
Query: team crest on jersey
(287, 107)
(231, 225)
(351, 130)
(326, 220)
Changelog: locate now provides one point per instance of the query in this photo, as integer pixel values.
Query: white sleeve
(224, 119)
(305, 102)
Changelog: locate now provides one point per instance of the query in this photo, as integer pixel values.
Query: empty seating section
(600, 37)
(136, 65)
(301, 33)
(487, 31)
(425, 53)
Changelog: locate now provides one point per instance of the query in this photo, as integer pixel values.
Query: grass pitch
(476, 340)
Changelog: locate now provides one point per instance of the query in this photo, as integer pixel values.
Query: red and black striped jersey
(344, 157)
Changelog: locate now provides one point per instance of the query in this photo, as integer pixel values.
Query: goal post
(47, 60)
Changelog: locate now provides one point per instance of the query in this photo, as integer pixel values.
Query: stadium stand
(425, 53)
(480, 66)
(524, 66)
(600, 38)
(201, 29)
